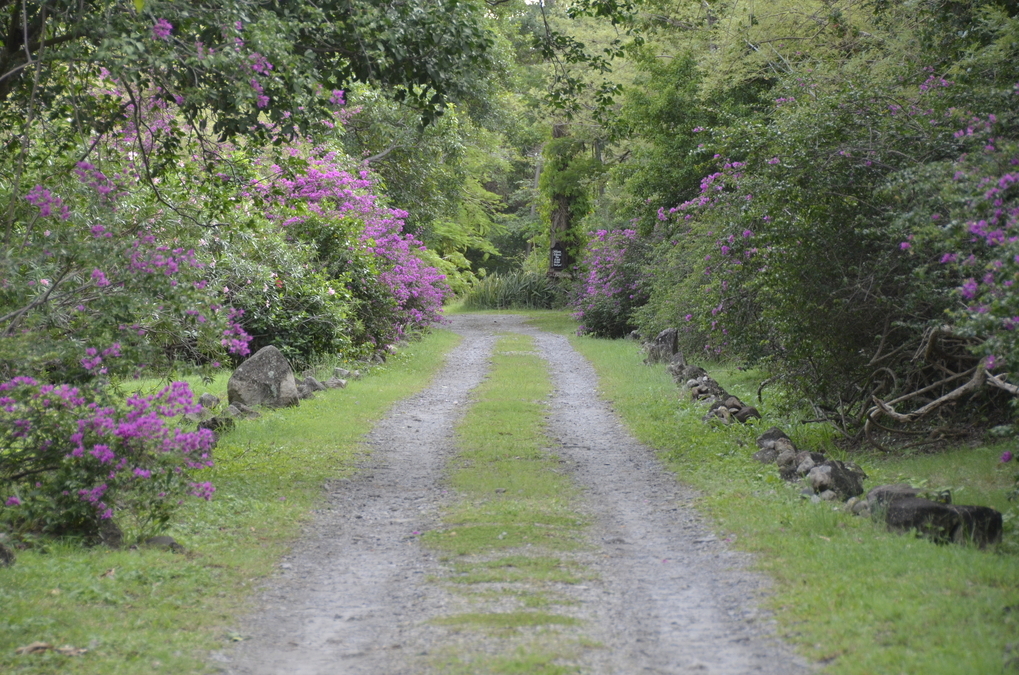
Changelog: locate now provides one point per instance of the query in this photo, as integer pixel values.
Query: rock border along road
(354, 596)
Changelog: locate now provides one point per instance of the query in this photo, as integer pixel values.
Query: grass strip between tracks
(153, 611)
(508, 536)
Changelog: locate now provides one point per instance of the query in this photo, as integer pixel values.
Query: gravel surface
(664, 595)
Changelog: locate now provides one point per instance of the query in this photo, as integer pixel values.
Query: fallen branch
(978, 380)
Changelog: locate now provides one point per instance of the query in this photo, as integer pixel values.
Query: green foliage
(516, 290)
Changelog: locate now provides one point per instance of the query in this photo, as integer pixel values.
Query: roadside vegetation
(156, 610)
(849, 594)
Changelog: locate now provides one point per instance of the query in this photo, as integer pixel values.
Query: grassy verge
(508, 537)
(848, 593)
(153, 611)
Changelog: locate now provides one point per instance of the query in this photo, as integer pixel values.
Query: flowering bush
(74, 458)
(611, 289)
(358, 242)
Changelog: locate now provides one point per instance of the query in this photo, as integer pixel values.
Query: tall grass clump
(516, 290)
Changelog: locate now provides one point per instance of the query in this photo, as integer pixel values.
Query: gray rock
(335, 383)
(861, 509)
(663, 347)
(305, 392)
(264, 379)
(633, 335)
(708, 388)
(686, 376)
(942, 523)
(198, 417)
(766, 455)
(828, 496)
(880, 497)
(341, 373)
(110, 533)
(745, 414)
(718, 411)
(164, 542)
(937, 522)
(7, 556)
(733, 402)
(768, 438)
(786, 462)
(980, 525)
(208, 401)
(805, 461)
(246, 412)
(845, 479)
(314, 384)
(218, 424)
(356, 375)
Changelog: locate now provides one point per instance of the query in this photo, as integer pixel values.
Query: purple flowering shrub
(857, 221)
(98, 265)
(317, 198)
(610, 285)
(75, 457)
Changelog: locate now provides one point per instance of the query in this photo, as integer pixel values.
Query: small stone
(356, 375)
(768, 438)
(744, 415)
(208, 401)
(246, 412)
(6, 556)
(828, 496)
(341, 373)
(336, 383)
(164, 542)
(218, 424)
(313, 384)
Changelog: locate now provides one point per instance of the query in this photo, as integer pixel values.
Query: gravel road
(356, 593)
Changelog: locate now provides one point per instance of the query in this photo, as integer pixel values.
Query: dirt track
(354, 596)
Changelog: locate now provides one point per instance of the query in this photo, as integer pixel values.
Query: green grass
(510, 532)
(504, 621)
(847, 592)
(151, 611)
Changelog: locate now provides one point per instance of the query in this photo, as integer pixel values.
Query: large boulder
(937, 522)
(980, 525)
(663, 348)
(264, 379)
(943, 523)
(879, 498)
(845, 479)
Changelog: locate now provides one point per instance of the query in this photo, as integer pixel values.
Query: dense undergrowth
(153, 611)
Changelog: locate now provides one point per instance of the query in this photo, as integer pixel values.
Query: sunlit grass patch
(153, 611)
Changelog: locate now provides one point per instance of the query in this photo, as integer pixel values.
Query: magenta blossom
(161, 29)
(1006, 456)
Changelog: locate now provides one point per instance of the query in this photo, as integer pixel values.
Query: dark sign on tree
(558, 257)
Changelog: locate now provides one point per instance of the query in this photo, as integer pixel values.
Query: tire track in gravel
(355, 596)
(358, 574)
